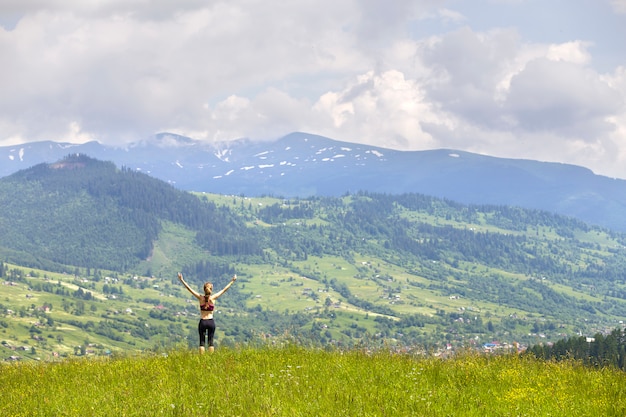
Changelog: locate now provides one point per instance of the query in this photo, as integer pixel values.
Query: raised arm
(219, 293)
(181, 279)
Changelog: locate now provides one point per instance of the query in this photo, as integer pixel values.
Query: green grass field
(293, 381)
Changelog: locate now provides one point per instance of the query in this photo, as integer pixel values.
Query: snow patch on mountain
(222, 155)
(62, 146)
(20, 154)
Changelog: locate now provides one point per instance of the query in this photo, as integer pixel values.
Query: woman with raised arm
(206, 327)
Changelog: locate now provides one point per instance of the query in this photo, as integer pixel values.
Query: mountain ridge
(303, 165)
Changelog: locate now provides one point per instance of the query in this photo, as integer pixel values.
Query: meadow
(296, 381)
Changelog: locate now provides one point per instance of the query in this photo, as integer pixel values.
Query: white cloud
(408, 74)
(619, 6)
(575, 52)
(269, 115)
(542, 98)
(451, 16)
(381, 109)
(468, 69)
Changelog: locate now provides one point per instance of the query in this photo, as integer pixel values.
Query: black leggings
(206, 327)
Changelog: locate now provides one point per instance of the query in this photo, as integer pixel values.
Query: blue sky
(535, 79)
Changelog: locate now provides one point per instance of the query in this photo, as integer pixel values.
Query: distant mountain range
(305, 165)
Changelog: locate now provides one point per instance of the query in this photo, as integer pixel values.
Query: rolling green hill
(91, 252)
(87, 213)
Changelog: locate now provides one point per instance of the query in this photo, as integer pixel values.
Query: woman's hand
(234, 278)
(180, 277)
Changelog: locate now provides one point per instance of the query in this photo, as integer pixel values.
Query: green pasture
(293, 381)
(58, 330)
(173, 249)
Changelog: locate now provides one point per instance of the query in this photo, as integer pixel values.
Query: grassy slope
(63, 337)
(299, 382)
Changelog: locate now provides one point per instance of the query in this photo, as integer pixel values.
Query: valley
(335, 272)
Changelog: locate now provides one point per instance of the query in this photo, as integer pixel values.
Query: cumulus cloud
(467, 67)
(381, 109)
(541, 97)
(118, 76)
(408, 75)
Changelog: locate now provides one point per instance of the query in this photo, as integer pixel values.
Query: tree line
(599, 351)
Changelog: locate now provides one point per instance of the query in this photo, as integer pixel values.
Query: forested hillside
(87, 213)
(375, 269)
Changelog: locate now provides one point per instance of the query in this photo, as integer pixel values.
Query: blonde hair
(208, 288)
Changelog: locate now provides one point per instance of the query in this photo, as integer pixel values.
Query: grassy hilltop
(307, 382)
